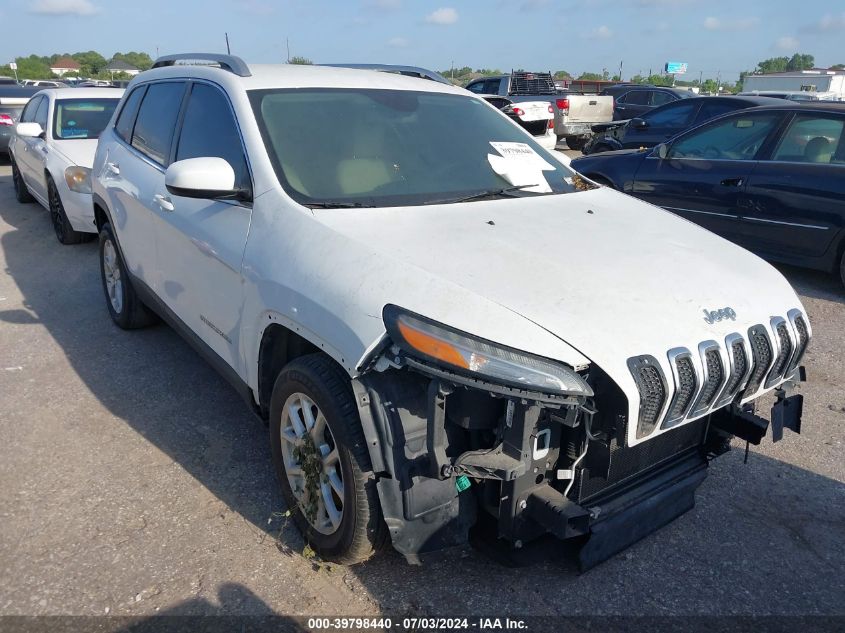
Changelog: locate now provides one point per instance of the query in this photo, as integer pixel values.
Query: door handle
(163, 202)
(44, 149)
(732, 182)
(113, 168)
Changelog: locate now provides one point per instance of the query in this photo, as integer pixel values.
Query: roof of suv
(268, 76)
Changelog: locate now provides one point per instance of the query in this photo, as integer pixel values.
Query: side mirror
(29, 130)
(639, 123)
(662, 151)
(209, 178)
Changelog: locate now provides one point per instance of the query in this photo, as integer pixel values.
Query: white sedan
(52, 152)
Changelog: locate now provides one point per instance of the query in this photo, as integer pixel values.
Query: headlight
(78, 179)
(467, 354)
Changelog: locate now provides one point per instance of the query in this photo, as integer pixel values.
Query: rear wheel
(125, 307)
(21, 192)
(322, 462)
(61, 225)
(575, 142)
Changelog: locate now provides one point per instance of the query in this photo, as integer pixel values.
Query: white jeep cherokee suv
(450, 332)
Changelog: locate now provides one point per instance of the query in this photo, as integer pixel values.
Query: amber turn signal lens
(432, 347)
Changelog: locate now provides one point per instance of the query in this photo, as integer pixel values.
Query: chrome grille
(761, 357)
(717, 374)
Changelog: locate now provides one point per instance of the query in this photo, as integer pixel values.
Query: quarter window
(811, 139)
(41, 113)
(736, 138)
(28, 115)
(209, 129)
(157, 119)
(126, 118)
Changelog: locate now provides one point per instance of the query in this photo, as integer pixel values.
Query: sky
(712, 36)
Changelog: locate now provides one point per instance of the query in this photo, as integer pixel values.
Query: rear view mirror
(662, 150)
(29, 130)
(639, 123)
(211, 178)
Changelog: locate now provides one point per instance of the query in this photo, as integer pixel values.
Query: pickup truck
(575, 113)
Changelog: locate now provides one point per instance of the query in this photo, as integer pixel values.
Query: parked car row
(450, 333)
(770, 178)
(663, 122)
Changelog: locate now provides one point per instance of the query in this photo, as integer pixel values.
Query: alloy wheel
(111, 272)
(312, 463)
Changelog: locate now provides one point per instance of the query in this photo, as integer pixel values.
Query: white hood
(610, 275)
(77, 151)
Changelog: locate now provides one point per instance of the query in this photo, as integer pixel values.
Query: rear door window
(156, 120)
(712, 110)
(477, 87)
(635, 97)
(811, 138)
(675, 115)
(659, 98)
(209, 130)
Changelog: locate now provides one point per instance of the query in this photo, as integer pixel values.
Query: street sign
(13, 66)
(676, 68)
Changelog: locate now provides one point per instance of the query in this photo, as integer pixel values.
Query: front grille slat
(784, 351)
(739, 368)
(686, 386)
(714, 376)
(652, 388)
(761, 358)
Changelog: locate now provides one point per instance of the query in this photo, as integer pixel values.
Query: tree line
(92, 64)
(798, 61)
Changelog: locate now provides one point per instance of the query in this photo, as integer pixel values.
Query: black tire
(576, 142)
(362, 530)
(22, 194)
(129, 312)
(61, 225)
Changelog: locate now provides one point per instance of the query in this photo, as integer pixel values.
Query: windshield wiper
(482, 194)
(339, 205)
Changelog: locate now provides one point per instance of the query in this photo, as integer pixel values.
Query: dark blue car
(661, 124)
(771, 179)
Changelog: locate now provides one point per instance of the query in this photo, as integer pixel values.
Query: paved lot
(134, 481)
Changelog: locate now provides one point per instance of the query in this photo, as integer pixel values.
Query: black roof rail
(231, 63)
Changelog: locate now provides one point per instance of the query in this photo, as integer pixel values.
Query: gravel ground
(133, 481)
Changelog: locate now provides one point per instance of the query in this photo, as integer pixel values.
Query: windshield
(81, 118)
(351, 147)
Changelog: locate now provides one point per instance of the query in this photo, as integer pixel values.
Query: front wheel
(22, 194)
(125, 307)
(322, 462)
(61, 225)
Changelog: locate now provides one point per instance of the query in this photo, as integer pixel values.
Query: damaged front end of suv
(468, 437)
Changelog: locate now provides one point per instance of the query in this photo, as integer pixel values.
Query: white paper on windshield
(520, 165)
